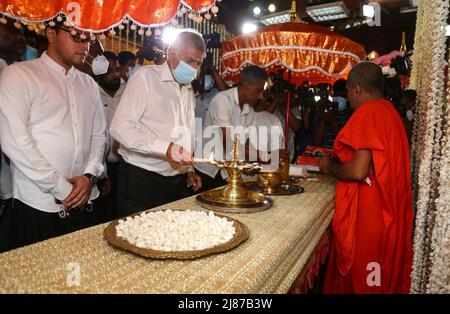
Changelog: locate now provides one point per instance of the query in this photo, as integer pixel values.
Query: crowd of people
(89, 136)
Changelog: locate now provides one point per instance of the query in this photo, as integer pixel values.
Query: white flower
(176, 230)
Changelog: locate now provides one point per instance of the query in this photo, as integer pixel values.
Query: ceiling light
(328, 11)
(248, 28)
(272, 8)
(256, 11)
(275, 18)
(169, 35)
(368, 11)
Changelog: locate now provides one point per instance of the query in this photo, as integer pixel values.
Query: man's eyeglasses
(78, 38)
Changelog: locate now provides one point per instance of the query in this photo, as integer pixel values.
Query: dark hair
(56, 27)
(125, 56)
(9, 27)
(110, 55)
(411, 94)
(339, 87)
(252, 74)
(393, 89)
(368, 75)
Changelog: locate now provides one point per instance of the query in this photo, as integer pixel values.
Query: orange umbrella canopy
(100, 15)
(308, 51)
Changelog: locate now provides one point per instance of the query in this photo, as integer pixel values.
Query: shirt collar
(3, 64)
(245, 108)
(118, 93)
(55, 66)
(166, 74)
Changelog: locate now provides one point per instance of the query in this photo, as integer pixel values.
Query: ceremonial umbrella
(100, 15)
(309, 52)
(305, 51)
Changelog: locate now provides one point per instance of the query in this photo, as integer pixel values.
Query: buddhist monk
(371, 250)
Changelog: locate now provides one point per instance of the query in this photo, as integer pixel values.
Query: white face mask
(409, 115)
(99, 65)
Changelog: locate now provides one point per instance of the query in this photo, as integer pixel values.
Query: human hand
(325, 165)
(194, 180)
(81, 191)
(177, 154)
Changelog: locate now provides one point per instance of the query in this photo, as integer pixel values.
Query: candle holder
(275, 182)
(234, 198)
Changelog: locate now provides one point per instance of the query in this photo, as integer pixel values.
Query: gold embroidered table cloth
(281, 241)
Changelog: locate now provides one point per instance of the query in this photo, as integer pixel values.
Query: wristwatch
(92, 179)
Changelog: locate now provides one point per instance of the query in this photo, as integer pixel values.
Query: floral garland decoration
(428, 79)
(440, 256)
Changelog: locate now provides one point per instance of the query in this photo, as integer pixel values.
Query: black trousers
(29, 225)
(209, 183)
(106, 207)
(140, 189)
(5, 224)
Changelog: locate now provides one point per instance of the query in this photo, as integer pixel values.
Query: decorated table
(282, 248)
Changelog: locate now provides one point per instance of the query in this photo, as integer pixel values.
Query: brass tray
(241, 235)
(285, 188)
(214, 201)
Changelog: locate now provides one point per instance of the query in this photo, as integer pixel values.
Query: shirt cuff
(62, 189)
(94, 168)
(105, 171)
(160, 147)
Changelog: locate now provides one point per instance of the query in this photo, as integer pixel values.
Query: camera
(402, 65)
(280, 85)
(151, 48)
(316, 97)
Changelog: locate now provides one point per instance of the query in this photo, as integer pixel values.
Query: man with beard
(52, 127)
(111, 90)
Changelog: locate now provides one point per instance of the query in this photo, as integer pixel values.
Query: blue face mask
(30, 53)
(342, 103)
(209, 82)
(184, 73)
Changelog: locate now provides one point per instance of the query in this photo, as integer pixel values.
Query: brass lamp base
(284, 188)
(252, 202)
(233, 198)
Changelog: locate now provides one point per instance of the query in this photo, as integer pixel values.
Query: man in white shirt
(8, 53)
(154, 124)
(266, 133)
(206, 87)
(111, 90)
(230, 109)
(52, 128)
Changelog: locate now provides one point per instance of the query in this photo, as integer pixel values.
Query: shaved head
(368, 76)
(364, 83)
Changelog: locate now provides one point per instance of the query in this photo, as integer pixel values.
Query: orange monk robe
(373, 223)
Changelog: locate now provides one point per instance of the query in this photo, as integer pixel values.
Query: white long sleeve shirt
(52, 127)
(5, 171)
(224, 111)
(111, 104)
(153, 112)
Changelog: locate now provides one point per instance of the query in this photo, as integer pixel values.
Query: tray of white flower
(176, 234)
